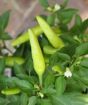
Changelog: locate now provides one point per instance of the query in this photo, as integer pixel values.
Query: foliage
(58, 88)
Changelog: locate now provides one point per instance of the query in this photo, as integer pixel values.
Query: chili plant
(50, 63)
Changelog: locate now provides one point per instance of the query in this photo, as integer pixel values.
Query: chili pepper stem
(40, 80)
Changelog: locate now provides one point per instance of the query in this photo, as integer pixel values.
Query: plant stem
(40, 80)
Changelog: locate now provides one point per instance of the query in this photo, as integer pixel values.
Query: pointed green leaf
(2, 65)
(49, 80)
(44, 3)
(4, 18)
(82, 49)
(32, 100)
(23, 99)
(60, 85)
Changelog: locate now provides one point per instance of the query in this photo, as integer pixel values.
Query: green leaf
(13, 100)
(23, 84)
(68, 39)
(82, 49)
(66, 15)
(70, 99)
(58, 57)
(51, 19)
(77, 27)
(60, 85)
(78, 20)
(64, 4)
(18, 69)
(80, 26)
(84, 62)
(3, 101)
(63, 27)
(84, 25)
(49, 91)
(43, 41)
(31, 79)
(49, 80)
(81, 74)
(73, 85)
(32, 100)
(4, 36)
(20, 50)
(45, 102)
(23, 99)
(69, 50)
(6, 82)
(2, 65)
(29, 63)
(44, 3)
(4, 18)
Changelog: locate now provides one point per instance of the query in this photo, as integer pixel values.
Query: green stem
(40, 80)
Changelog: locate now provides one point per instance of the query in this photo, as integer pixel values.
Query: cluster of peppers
(37, 54)
(32, 35)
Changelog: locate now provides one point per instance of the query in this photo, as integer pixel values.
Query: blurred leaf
(60, 85)
(5, 36)
(66, 15)
(43, 41)
(78, 20)
(82, 49)
(49, 80)
(68, 39)
(4, 18)
(31, 79)
(64, 4)
(19, 50)
(6, 82)
(84, 62)
(45, 102)
(84, 25)
(18, 69)
(13, 100)
(63, 27)
(70, 49)
(58, 58)
(81, 74)
(3, 101)
(51, 19)
(79, 26)
(2, 65)
(70, 99)
(29, 63)
(44, 3)
(49, 91)
(23, 84)
(73, 85)
(23, 99)
(32, 100)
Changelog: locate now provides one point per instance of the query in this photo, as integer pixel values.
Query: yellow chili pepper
(37, 31)
(37, 56)
(49, 49)
(10, 60)
(11, 91)
(25, 37)
(49, 33)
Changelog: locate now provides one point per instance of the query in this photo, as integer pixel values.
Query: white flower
(41, 94)
(86, 56)
(68, 73)
(56, 7)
